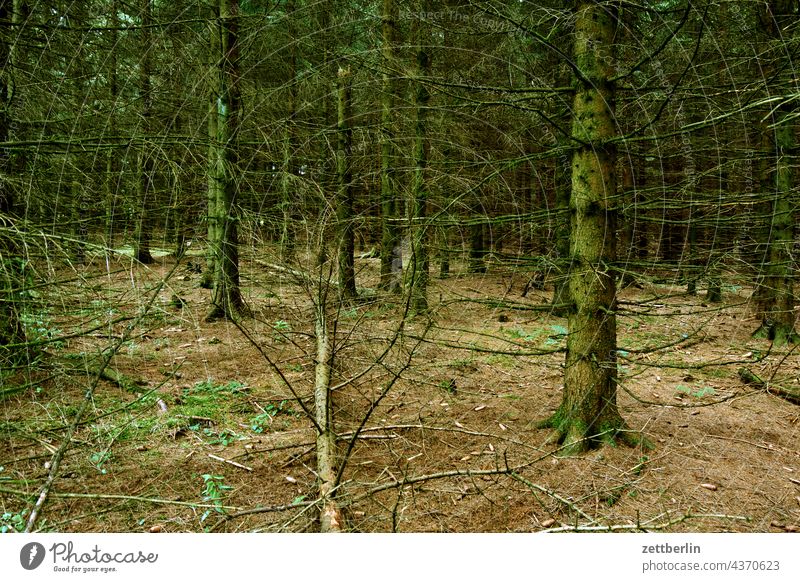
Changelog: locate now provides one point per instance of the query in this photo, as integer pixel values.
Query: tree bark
(331, 519)
(145, 191)
(588, 412)
(213, 185)
(11, 329)
(563, 185)
(390, 237)
(776, 297)
(226, 299)
(418, 267)
(344, 194)
(112, 165)
(289, 203)
(477, 248)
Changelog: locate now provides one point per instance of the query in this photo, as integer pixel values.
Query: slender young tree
(213, 184)
(112, 163)
(563, 186)
(344, 191)
(288, 184)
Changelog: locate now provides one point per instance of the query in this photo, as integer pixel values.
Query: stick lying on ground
(790, 394)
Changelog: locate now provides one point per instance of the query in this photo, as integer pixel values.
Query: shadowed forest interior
(381, 266)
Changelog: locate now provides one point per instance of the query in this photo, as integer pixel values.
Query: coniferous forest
(383, 266)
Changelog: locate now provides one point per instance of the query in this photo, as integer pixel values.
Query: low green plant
(351, 313)
(263, 421)
(698, 393)
(518, 333)
(280, 329)
(132, 348)
(500, 360)
(214, 493)
(712, 372)
(204, 398)
(448, 386)
(39, 328)
(98, 459)
(12, 522)
(206, 403)
(462, 363)
(223, 438)
(511, 396)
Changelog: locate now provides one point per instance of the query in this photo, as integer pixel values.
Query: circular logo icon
(31, 555)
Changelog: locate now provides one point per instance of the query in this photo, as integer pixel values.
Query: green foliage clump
(264, 421)
(214, 493)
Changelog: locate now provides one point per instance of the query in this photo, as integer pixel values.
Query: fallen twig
(234, 463)
(155, 500)
(643, 526)
(552, 494)
(735, 440)
(55, 461)
(751, 379)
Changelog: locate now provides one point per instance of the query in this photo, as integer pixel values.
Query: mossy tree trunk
(391, 267)
(79, 211)
(212, 250)
(143, 233)
(344, 191)
(112, 164)
(714, 289)
(477, 247)
(11, 329)
(776, 296)
(145, 191)
(226, 297)
(777, 308)
(588, 412)
(418, 267)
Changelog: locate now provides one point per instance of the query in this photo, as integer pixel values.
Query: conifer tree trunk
(331, 520)
(288, 202)
(562, 179)
(344, 195)
(418, 267)
(144, 226)
(391, 255)
(588, 412)
(11, 330)
(212, 250)
(477, 248)
(327, 80)
(563, 185)
(226, 297)
(775, 295)
(112, 166)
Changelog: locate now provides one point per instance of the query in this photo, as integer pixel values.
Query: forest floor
(452, 446)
